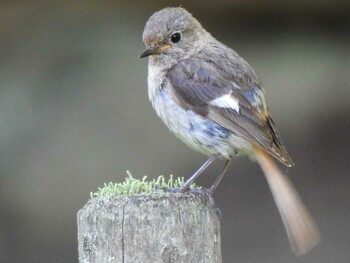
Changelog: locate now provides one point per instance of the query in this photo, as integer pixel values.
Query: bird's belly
(197, 132)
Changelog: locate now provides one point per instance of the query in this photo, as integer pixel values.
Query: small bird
(211, 99)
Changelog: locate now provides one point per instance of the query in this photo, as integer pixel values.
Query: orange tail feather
(301, 229)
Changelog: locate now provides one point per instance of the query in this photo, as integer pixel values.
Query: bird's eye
(176, 37)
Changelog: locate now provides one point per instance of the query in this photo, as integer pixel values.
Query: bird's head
(171, 34)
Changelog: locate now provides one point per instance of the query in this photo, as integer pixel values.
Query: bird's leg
(209, 192)
(218, 179)
(188, 183)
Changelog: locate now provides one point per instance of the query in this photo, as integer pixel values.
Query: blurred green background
(74, 113)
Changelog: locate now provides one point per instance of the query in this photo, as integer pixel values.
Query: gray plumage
(211, 99)
(197, 71)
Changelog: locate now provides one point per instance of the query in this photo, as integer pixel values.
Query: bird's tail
(302, 231)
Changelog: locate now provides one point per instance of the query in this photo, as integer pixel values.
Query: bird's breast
(196, 131)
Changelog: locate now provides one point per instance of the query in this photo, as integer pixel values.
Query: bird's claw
(168, 189)
(208, 193)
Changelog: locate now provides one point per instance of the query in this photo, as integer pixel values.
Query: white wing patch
(226, 101)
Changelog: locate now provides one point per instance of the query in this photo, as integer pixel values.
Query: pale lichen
(132, 186)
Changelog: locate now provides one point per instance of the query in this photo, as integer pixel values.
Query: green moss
(133, 186)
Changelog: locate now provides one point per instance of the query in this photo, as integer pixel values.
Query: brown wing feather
(195, 85)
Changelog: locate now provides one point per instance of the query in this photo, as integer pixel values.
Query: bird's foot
(169, 189)
(207, 193)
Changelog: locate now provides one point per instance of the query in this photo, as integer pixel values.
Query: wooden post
(157, 227)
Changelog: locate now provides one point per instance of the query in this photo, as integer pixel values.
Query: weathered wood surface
(167, 228)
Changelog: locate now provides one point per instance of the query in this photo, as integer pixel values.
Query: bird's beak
(154, 50)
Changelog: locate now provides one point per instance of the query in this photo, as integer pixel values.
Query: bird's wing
(208, 90)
